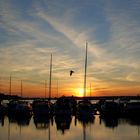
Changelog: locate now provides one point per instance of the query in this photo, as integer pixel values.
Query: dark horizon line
(111, 97)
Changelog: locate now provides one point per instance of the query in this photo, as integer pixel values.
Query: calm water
(74, 129)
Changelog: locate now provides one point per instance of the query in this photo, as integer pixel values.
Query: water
(95, 129)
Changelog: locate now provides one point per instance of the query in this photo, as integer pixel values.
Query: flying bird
(71, 72)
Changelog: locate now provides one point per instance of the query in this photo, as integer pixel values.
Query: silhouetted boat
(41, 108)
(2, 109)
(51, 105)
(84, 109)
(20, 108)
(62, 107)
(131, 109)
(110, 108)
(73, 104)
(2, 113)
(44, 107)
(21, 120)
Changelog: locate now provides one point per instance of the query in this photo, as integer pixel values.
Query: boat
(41, 108)
(2, 113)
(44, 107)
(51, 105)
(110, 108)
(19, 108)
(21, 120)
(131, 109)
(3, 109)
(73, 104)
(85, 108)
(62, 107)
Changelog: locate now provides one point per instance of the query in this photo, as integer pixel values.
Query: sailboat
(84, 107)
(43, 108)
(18, 108)
(50, 104)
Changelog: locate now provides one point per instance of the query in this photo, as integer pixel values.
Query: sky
(32, 30)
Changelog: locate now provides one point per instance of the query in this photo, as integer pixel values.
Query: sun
(79, 92)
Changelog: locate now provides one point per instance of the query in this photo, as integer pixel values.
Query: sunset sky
(30, 30)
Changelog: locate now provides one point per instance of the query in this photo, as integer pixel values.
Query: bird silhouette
(71, 72)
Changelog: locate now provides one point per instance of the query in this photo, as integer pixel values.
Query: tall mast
(45, 88)
(85, 70)
(10, 84)
(57, 88)
(0, 84)
(90, 89)
(21, 88)
(50, 77)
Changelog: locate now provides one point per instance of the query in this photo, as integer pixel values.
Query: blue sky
(31, 30)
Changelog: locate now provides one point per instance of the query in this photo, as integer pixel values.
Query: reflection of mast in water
(49, 130)
(84, 131)
(20, 129)
(138, 131)
(9, 130)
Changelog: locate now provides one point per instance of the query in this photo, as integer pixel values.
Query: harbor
(68, 125)
(69, 70)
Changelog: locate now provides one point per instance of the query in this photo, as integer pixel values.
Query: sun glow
(80, 92)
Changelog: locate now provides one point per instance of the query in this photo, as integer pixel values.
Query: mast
(21, 88)
(45, 88)
(10, 84)
(85, 70)
(50, 77)
(90, 89)
(0, 85)
(9, 130)
(57, 88)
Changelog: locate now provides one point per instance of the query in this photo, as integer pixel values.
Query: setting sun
(80, 92)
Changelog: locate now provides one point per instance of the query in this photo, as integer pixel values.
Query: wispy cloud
(62, 28)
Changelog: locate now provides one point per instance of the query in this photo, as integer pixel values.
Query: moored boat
(84, 109)
(3, 109)
(62, 107)
(110, 108)
(131, 109)
(41, 108)
(20, 108)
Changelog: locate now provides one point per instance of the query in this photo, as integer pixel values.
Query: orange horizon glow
(34, 90)
(37, 89)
